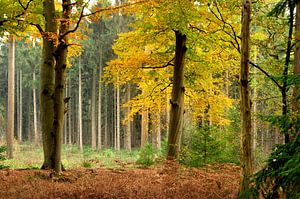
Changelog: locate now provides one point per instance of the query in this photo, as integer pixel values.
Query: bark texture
(296, 90)
(11, 97)
(246, 154)
(47, 83)
(177, 101)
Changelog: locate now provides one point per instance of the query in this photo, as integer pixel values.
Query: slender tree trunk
(106, 119)
(246, 154)
(93, 111)
(144, 127)
(118, 129)
(127, 140)
(100, 104)
(35, 125)
(11, 97)
(254, 104)
(47, 83)
(20, 136)
(284, 88)
(79, 107)
(70, 114)
(177, 101)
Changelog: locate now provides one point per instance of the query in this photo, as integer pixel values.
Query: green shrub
(2, 151)
(281, 175)
(3, 157)
(147, 155)
(208, 144)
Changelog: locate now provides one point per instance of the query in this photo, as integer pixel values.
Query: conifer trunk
(35, 125)
(11, 97)
(118, 115)
(246, 154)
(79, 107)
(127, 139)
(93, 111)
(20, 129)
(100, 104)
(177, 101)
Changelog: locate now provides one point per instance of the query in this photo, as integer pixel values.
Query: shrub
(147, 155)
(281, 175)
(208, 144)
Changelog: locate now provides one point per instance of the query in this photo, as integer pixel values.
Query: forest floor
(169, 180)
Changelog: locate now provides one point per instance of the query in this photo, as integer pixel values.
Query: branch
(76, 26)
(196, 28)
(221, 18)
(111, 8)
(267, 74)
(163, 66)
(38, 27)
(25, 8)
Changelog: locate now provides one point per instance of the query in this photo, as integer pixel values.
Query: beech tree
(246, 138)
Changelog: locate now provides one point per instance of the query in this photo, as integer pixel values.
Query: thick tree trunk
(177, 101)
(79, 107)
(144, 127)
(93, 111)
(296, 90)
(11, 97)
(47, 83)
(246, 153)
(60, 80)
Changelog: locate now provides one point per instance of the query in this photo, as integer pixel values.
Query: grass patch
(29, 156)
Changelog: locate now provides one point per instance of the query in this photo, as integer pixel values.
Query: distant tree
(11, 97)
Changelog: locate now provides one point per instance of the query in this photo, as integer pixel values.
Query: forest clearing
(150, 99)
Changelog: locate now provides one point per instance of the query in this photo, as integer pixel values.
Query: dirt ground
(168, 181)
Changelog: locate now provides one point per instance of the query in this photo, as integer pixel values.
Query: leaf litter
(169, 180)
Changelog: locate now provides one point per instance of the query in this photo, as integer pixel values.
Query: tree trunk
(144, 127)
(254, 103)
(60, 80)
(106, 119)
(11, 97)
(246, 154)
(296, 89)
(100, 104)
(47, 83)
(70, 114)
(93, 111)
(127, 140)
(284, 88)
(177, 101)
(118, 137)
(156, 138)
(20, 129)
(79, 107)
(35, 125)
